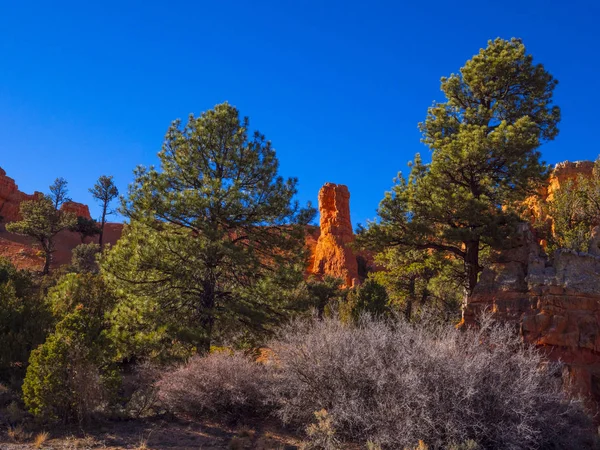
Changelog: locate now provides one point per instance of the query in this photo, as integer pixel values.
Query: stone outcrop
(332, 254)
(567, 171)
(555, 304)
(79, 209)
(11, 198)
(23, 251)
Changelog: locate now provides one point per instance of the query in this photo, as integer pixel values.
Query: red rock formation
(24, 251)
(332, 256)
(556, 306)
(11, 198)
(79, 209)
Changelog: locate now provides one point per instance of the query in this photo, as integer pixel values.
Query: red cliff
(555, 304)
(11, 198)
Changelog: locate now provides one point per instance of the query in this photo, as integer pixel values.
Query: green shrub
(72, 374)
(84, 258)
(24, 322)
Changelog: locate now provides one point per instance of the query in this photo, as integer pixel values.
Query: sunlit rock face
(555, 305)
(332, 255)
(563, 172)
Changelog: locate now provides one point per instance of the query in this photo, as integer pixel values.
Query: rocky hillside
(330, 254)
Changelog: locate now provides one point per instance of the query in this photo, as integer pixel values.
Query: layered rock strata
(555, 304)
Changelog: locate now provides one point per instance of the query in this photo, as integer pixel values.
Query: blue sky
(89, 88)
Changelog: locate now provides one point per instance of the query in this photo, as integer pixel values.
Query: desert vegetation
(203, 309)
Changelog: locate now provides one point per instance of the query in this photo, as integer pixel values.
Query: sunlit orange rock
(332, 254)
(23, 251)
(535, 206)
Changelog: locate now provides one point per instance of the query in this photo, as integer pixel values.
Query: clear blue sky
(89, 88)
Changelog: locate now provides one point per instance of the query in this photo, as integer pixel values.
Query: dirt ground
(150, 434)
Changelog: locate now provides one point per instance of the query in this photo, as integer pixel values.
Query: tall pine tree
(209, 227)
(484, 140)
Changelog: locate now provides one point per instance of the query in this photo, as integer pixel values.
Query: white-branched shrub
(391, 384)
(221, 385)
(394, 384)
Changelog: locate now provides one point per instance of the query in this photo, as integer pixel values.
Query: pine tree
(42, 221)
(484, 141)
(105, 191)
(209, 226)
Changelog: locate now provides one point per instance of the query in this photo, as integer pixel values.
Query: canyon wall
(11, 198)
(554, 302)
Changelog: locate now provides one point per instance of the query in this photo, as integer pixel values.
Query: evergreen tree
(59, 193)
(210, 225)
(25, 321)
(86, 228)
(42, 220)
(484, 141)
(73, 373)
(575, 211)
(105, 191)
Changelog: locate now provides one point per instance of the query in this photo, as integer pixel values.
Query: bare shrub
(140, 389)
(394, 384)
(230, 386)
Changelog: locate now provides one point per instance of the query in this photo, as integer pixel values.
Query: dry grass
(18, 434)
(40, 439)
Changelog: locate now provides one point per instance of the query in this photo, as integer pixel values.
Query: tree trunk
(207, 318)
(47, 246)
(47, 262)
(411, 299)
(102, 222)
(471, 265)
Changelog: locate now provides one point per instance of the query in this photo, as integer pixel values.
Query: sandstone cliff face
(23, 251)
(566, 171)
(79, 209)
(332, 256)
(11, 198)
(556, 306)
(328, 246)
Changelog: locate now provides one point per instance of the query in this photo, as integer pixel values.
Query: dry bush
(140, 390)
(18, 433)
(229, 386)
(394, 384)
